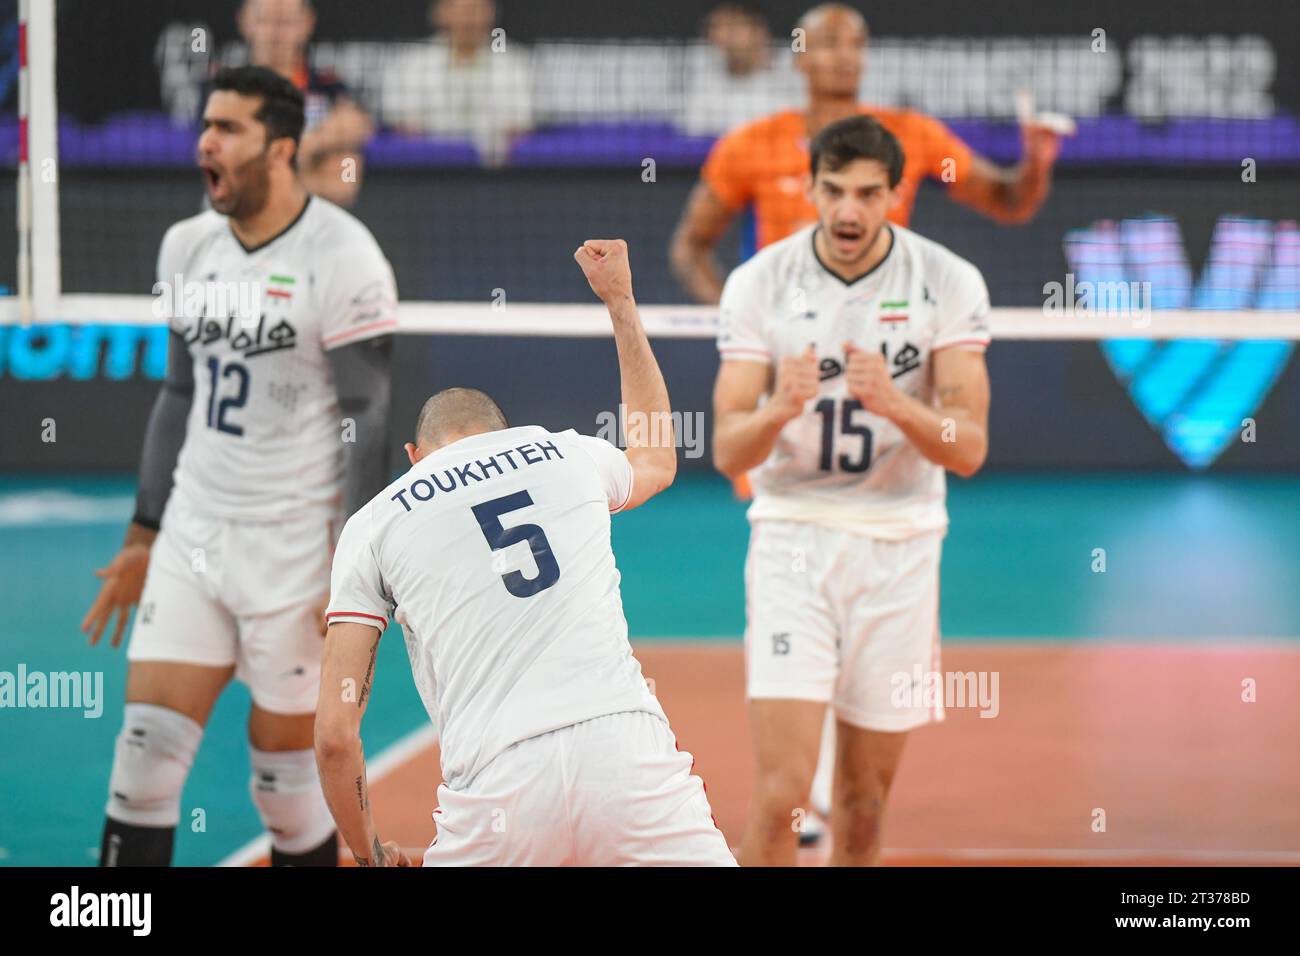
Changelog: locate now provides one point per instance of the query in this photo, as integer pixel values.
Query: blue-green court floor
(1186, 558)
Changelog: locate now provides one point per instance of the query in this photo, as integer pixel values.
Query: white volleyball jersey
(837, 464)
(265, 434)
(493, 553)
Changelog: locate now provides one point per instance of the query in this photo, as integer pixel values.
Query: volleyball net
(1169, 236)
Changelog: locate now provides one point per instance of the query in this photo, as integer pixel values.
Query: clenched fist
(605, 264)
(797, 381)
(869, 381)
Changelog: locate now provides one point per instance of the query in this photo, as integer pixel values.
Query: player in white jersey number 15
(493, 553)
(270, 427)
(852, 377)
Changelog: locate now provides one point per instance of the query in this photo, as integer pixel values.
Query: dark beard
(253, 191)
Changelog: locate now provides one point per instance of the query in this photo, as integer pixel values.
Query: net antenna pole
(38, 177)
(24, 177)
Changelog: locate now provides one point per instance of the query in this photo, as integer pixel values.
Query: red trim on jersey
(278, 294)
(893, 318)
(383, 621)
(348, 334)
(982, 343)
(22, 116)
(631, 485)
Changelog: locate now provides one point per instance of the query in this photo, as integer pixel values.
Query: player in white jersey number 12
(852, 376)
(270, 427)
(493, 553)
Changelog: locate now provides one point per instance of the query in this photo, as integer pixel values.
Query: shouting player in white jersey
(271, 423)
(494, 553)
(852, 375)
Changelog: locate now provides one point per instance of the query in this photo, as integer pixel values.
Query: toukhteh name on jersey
(458, 476)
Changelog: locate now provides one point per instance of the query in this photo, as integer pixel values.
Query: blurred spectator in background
(276, 34)
(330, 155)
(462, 82)
(760, 168)
(184, 65)
(735, 79)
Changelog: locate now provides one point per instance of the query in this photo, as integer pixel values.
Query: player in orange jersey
(762, 167)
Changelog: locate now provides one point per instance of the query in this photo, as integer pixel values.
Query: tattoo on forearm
(363, 794)
(376, 855)
(949, 393)
(370, 676)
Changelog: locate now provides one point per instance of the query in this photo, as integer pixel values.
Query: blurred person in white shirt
(465, 81)
(331, 155)
(277, 34)
(737, 77)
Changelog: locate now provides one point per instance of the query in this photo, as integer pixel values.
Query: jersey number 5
(498, 537)
(826, 409)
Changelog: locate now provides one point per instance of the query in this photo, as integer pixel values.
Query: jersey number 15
(826, 409)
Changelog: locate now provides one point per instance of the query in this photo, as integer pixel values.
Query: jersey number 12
(217, 410)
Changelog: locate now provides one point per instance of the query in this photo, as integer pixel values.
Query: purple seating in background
(149, 140)
(390, 150)
(1122, 140)
(610, 144)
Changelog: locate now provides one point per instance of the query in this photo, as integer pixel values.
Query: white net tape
(586, 320)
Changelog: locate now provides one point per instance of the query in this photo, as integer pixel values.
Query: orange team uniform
(762, 166)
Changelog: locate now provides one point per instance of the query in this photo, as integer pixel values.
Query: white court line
(63, 508)
(390, 758)
(1036, 642)
(1069, 855)
(387, 760)
(891, 856)
(425, 736)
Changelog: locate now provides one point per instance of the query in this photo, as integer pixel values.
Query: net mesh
(479, 150)
(482, 142)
